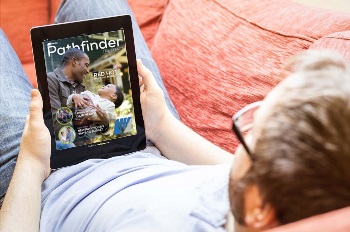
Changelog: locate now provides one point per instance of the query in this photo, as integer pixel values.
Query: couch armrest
(335, 221)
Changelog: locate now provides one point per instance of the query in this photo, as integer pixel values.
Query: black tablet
(86, 73)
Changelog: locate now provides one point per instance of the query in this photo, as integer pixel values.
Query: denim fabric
(14, 106)
(15, 86)
(71, 10)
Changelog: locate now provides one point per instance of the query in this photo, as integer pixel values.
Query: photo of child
(107, 99)
(67, 135)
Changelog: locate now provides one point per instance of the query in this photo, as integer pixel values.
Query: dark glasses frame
(236, 128)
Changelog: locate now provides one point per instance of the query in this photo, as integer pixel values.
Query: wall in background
(338, 5)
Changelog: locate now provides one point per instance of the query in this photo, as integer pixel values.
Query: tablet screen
(87, 76)
(96, 106)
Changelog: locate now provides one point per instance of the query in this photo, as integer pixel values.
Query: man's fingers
(99, 112)
(26, 124)
(84, 102)
(146, 75)
(98, 107)
(93, 119)
(142, 87)
(36, 106)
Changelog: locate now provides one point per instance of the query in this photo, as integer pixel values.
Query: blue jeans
(15, 87)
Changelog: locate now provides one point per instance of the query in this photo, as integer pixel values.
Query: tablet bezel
(114, 147)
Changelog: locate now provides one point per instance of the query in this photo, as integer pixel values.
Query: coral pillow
(339, 41)
(336, 220)
(148, 15)
(217, 56)
(17, 17)
(54, 4)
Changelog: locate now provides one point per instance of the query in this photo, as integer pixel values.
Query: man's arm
(174, 139)
(53, 86)
(22, 204)
(78, 99)
(102, 117)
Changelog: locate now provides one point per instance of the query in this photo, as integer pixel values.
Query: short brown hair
(302, 155)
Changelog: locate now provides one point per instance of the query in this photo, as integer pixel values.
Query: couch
(215, 57)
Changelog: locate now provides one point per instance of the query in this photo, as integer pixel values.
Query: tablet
(87, 75)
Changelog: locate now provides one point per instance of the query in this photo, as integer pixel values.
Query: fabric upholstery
(148, 15)
(16, 19)
(217, 58)
(339, 41)
(337, 220)
(29, 69)
(54, 4)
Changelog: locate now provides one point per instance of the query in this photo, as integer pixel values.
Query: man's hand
(154, 109)
(102, 116)
(174, 139)
(21, 208)
(80, 101)
(36, 142)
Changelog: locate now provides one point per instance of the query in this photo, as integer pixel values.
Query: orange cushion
(339, 41)
(28, 13)
(29, 69)
(17, 17)
(217, 56)
(53, 9)
(335, 221)
(148, 15)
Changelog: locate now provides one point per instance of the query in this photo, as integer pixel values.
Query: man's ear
(74, 61)
(257, 215)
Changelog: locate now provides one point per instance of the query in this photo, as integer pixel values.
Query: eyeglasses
(243, 123)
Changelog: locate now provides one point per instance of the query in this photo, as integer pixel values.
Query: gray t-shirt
(136, 192)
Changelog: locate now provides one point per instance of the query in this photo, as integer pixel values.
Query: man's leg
(71, 10)
(14, 106)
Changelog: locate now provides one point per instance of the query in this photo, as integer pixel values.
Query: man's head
(112, 93)
(75, 64)
(299, 145)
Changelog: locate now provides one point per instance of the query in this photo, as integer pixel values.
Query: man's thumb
(36, 106)
(147, 76)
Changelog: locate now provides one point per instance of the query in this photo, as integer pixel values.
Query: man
(143, 192)
(271, 180)
(70, 135)
(68, 78)
(294, 164)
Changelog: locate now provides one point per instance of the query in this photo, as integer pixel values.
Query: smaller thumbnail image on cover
(89, 87)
